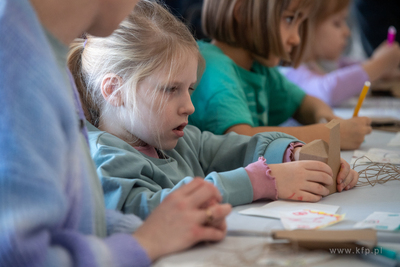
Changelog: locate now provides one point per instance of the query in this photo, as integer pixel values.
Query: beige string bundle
(375, 172)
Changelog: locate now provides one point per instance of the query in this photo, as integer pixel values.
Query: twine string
(376, 173)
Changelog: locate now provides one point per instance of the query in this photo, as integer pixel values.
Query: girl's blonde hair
(258, 30)
(149, 40)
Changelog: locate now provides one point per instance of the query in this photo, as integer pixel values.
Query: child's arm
(135, 183)
(313, 110)
(333, 87)
(352, 131)
(263, 154)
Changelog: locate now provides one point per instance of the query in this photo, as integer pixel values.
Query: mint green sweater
(136, 183)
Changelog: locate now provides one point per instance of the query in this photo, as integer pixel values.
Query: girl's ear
(109, 89)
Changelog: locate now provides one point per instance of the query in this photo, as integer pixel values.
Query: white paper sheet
(274, 208)
(385, 221)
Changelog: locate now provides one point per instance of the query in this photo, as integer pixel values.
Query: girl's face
(290, 22)
(331, 36)
(162, 129)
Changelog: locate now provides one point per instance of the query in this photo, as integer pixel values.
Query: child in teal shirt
(227, 106)
(241, 91)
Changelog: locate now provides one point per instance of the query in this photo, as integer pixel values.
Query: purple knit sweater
(51, 204)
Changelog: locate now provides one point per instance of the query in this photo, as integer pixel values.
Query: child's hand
(185, 217)
(384, 59)
(347, 178)
(302, 180)
(391, 76)
(389, 55)
(353, 131)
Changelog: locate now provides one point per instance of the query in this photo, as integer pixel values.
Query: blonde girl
(330, 35)
(136, 85)
(241, 90)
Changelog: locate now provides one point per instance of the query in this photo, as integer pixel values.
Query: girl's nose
(187, 107)
(294, 39)
(190, 107)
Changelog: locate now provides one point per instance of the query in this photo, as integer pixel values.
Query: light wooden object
(327, 152)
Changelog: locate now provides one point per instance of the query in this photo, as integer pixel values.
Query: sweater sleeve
(223, 159)
(332, 88)
(121, 223)
(135, 183)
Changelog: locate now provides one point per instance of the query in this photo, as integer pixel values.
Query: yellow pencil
(364, 92)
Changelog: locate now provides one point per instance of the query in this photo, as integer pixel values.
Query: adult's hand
(187, 216)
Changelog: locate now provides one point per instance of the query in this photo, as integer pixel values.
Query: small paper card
(308, 219)
(385, 221)
(274, 208)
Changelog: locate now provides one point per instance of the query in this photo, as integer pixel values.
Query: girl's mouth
(179, 130)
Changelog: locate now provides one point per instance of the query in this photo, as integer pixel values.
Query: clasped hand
(187, 216)
(307, 180)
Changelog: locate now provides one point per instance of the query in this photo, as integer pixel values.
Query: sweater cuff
(263, 183)
(127, 251)
(289, 153)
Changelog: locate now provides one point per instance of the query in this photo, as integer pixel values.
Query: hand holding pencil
(384, 60)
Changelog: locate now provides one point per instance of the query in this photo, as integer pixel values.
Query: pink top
(332, 88)
(262, 181)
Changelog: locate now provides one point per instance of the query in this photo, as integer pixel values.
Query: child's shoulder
(99, 140)
(212, 54)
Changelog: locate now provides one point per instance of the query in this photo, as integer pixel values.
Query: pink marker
(391, 34)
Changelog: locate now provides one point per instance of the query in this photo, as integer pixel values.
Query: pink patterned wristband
(263, 183)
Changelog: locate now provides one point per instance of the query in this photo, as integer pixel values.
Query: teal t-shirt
(228, 95)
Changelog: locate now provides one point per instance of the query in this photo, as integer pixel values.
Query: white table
(356, 203)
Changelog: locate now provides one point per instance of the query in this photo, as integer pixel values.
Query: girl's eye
(337, 23)
(172, 89)
(191, 89)
(289, 19)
